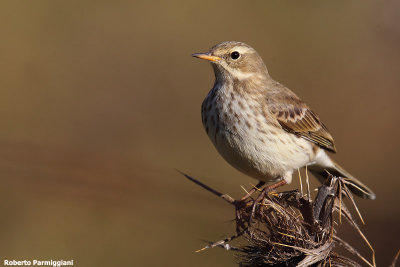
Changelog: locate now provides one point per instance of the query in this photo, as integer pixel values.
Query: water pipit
(261, 127)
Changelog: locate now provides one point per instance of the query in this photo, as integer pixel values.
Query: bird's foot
(268, 189)
(254, 189)
(242, 207)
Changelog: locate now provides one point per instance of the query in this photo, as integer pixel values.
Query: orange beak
(206, 56)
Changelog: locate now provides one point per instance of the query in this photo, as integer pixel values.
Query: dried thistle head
(289, 229)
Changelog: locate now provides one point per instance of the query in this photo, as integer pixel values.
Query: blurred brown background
(100, 101)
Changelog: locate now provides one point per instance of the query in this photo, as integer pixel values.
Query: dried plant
(291, 229)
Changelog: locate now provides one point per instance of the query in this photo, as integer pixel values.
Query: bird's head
(234, 60)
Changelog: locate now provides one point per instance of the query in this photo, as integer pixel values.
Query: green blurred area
(100, 101)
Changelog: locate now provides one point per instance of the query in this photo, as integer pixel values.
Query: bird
(261, 127)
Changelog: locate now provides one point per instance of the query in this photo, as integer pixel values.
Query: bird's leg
(241, 205)
(261, 196)
(258, 186)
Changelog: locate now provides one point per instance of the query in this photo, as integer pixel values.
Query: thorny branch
(291, 229)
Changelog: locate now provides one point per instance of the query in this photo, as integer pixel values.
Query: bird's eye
(235, 55)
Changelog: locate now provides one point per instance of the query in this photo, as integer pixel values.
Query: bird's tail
(357, 187)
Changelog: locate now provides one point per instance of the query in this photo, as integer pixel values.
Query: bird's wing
(297, 118)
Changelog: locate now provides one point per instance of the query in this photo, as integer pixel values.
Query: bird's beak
(206, 56)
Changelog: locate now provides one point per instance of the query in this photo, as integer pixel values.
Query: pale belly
(253, 146)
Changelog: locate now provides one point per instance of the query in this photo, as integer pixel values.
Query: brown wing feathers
(295, 117)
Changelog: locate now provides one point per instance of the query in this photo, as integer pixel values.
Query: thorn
(202, 249)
